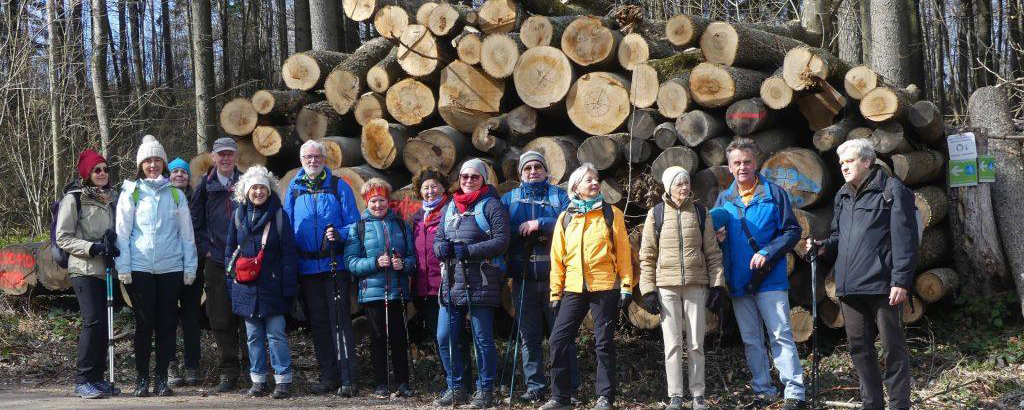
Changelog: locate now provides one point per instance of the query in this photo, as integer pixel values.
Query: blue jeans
(482, 322)
(259, 331)
(537, 319)
(769, 310)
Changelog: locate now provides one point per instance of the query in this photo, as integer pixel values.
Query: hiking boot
(381, 391)
(604, 403)
(282, 391)
(762, 400)
(173, 377)
(324, 387)
(227, 384)
(794, 404)
(347, 390)
(483, 399)
(160, 388)
(675, 403)
(452, 397)
(532, 396)
(404, 391)
(87, 391)
(257, 390)
(554, 404)
(192, 377)
(106, 388)
(141, 387)
(699, 403)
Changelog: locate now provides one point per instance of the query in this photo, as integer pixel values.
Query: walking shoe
(282, 391)
(227, 383)
(173, 377)
(483, 399)
(324, 387)
(574, 400)
(452, 397)
(141, 387)
(675, 403)
(604, 403)
(257, 390)
(794, 404)
(381, 391)
(762, 400)
(160, 388)
(87, 391)
(699, 404)
(192, 377)
(554, 404)
(106, 388)
(532, 396)
(404, 390)
(347, 390)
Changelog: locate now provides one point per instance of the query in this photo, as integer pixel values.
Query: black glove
(445, 250)
(110, 242)
(651, 304)
(716, 299)
(97, 249)
(462, 251)
(555, 304)
(624, 300)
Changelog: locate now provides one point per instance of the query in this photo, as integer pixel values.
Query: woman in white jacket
(158, 257)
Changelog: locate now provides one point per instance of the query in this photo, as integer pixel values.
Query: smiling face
(378, 206)
(431, 190)
(680, 190)
(179, 178)
(533, 171)
(312, 161)
(100, 175)
(258, 194)
(743, 166)
(152, 167)
(855, 168)
(589, 187)
(225, 162)
(470, 180)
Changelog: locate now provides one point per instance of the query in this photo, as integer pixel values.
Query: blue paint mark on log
(793, 181)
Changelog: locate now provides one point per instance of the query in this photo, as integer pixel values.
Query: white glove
(189, 278)
(126, 278)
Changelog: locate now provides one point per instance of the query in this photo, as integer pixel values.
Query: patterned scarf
(586, 205)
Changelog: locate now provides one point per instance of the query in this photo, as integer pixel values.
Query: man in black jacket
(874, 239)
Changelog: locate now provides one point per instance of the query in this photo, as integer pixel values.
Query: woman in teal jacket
(380, 255)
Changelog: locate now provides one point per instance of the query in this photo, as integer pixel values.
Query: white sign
(962, 146)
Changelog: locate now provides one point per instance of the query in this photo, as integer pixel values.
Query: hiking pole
(387, 327)
(110, 324)
(450, 277)
(813, 256)
(518, 340)
(339, 335)
(405, 325)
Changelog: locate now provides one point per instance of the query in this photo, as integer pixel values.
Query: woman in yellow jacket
(591, 270)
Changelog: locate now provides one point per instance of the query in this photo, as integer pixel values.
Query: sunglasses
(102, 170)
(470, 177)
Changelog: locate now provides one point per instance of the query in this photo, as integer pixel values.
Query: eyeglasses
(99, 170)
(312, 157)
(470, 177)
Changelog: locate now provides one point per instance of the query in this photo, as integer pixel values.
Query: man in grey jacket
(875, 240)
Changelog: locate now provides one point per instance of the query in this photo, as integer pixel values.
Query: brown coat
(665, 260)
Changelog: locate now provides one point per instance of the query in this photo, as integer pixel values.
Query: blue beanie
(179, 163)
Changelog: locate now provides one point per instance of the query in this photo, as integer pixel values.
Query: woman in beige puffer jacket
(677, 267)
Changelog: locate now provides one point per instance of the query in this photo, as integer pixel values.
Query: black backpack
(60, 256)
(609, 221)
(659, 217)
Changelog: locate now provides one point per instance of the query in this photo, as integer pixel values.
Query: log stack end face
(598, 103)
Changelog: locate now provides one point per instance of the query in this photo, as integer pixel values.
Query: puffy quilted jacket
(484, 278)
(384, 235)
(274, 291)
(680, 254)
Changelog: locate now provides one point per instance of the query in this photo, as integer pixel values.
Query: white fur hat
(255, 175)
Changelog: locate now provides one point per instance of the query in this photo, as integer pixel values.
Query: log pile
(446, 83)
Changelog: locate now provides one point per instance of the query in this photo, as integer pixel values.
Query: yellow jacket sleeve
(648, 255)
(623, 252)
(557, 276)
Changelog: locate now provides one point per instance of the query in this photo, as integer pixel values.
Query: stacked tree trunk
(446, 83)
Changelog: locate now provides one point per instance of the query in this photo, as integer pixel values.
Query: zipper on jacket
(583, 259)
(679, 224)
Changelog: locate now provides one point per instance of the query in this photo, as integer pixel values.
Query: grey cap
(222, 144)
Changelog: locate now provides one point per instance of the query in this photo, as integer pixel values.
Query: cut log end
(598, 103)
(498, 55)
(381, 143)
(497, 16)
(859, 80)
(776, 93)
(359, 10)
(681, 30)
(468, 47)
(410, 101)
(587, 41)
(390, 21)
(543, 77)
(418, 52)
(633, 51)
(238, 117)
(935, 284)
(674, 97)
(644, 86)
(537, 31)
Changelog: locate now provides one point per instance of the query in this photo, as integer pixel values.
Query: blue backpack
(481, 221)
(517, 199)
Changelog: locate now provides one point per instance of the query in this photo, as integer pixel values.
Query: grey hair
(745, 144)
(255, 172)
(577, 176)
(862, 147)
(315, 144)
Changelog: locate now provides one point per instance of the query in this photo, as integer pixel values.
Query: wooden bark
(345, 83)
(468, 46)
(747, 116)
(712, 151)
(467, 96)
(324, 24)
(831, 315)
(678, 65)
(19, 267)
(604, 151)
(359, 10)
(933, 204)
(821, 108)
(385, 73)
(830, 137)
(499, 54)
(390, 21)
(303, 36)
(437, 148)
(560, 153)
(418, 51)
(681, 156)
(933, 285)
(886, 104)
(642, 122)
(935, 248)
(238, 117)
(638, 151)
(665, 135)
(543, 77)
(674, 96)
(276, 140)
(319, 120)
(802, 173)
(447, 19)
(775, 93)
(598, 103)
(98, 72)
(308, 70)
(497, 16)
(494, 134)
(588, 41)
(919, 166)
(684, 30)
(889, 139)
(486, 139)
(383, 143)
(509, 164)
(343, 152)
(805, 67)
(891, 32)
(541, 30)
(714, 85)
(709, 182)
(697, 126)
(282, 103)
(410, 102)
(205, 83)
(771, 141)
(927, 121)
(370, 105)
(801, 323)
(913, 309)
(744, 46)
(816, 224)
(643, 90)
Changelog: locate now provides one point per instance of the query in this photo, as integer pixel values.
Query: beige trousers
(682, 307)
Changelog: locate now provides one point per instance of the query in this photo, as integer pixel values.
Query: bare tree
(281, 19)
(202, 50)
(324, 23)
(848, 32)
(165, 28)
(890, 31)
(99, 71)
(303, 40)
(53, 73)
(135, 17)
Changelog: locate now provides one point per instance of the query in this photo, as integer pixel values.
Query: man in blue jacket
(533, 210)
(212, 209)
(321, 207)
(875, 238)
(759, 230)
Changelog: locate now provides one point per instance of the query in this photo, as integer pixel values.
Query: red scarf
(464, 201)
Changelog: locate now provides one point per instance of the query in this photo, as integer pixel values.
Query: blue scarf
(587, 205)
(429, 207)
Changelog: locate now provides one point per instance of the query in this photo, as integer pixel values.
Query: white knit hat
(150, 148)
(477, 165)
(669, 177)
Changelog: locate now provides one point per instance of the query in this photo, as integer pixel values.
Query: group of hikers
(567, 252)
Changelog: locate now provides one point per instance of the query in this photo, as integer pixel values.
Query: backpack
(60, 256)
(333, 189)
(609, 220)
(361, 231)
(517, 199)
(659, 217)
(887, 197)
(481, 221)
(175, 193)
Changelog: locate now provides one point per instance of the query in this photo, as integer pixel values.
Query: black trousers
(428, 308)
(188, 314)
(329, 315)
(866, 317)
(604, 308)
(155, 304)
(228, 330)
(91, 293)
(385, 332)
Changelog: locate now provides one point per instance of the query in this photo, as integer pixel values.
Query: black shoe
(257, 390)
(574, 400)
(762, 400)
(532, 397)
(604, 403)
(282, 391)
(141, 387)
(173, 377)
(381, 391)
(675, 403)
(106, 388)
(452, 397)
(347, 390)
(794, 404)
(227, 384)
(192, 377)
(160, 388)
(483, 399)
(554, 404)
(324, 387)
(404, 391)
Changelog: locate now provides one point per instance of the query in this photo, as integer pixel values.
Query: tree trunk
(318, 120)
(801, 323)
(301, 22)
(343, 152)
(695, 127)
(498, 16)
(684, 30)
(99, 72)
(467, 96)
(589, 42)
(681, 156)
(281, 20)
(802, 173)
(849, 36)
(308, 70)
(324, 24)
(830, 313)
(816, 18)
(604, 151)
(933, 203)
(935, 249)
(390, 21)
(709, 182)
(598, 103)
(775, 93)
(438, 148)
(383, 143)
(927, 121)
(54, 72)
(829, 138)
(541, 30)
(884, 104)
(820, 108)
(468, 46)
(385, 73)
(805, 68)
(560, 153)
(410, 102)
(674, 96)
(635, 49)
(272, 140)
(203, 77)
(123, 67)
(712, 151)
(282, 103)
(665, 135)
(418, 51)
(345, 82)
(745, 117)
(715, 85)
(889, 140)
(918, 167)
(641, 123)
(499, 54)
(238, 117)
(135, 17)
(740, 45)
(447, 19)
(890, 30)
(370, 106)
(643, 86)
(359, 10)
(225, 65)
(935, 284)
(865, 31)
(543, 77)
(165, 28)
